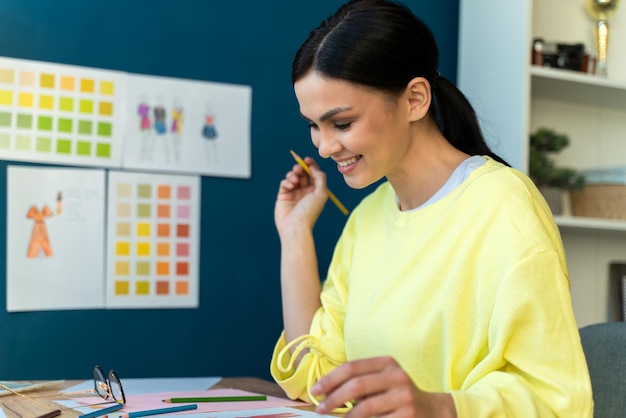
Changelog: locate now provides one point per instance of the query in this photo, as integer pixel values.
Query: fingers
(360, 380)
(298, 176)
(310, 162)
(376, 387)
(366, 392)
(350, 370)
(295, 178)
(396, 398)
(301, 195)
(311, 168)
(317, 176)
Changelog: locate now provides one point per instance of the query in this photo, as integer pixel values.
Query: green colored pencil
(218, 399)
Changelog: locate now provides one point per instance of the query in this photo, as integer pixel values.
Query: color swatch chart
(60, 114)
(153, 238)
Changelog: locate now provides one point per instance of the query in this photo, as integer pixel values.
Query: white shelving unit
(574, 223)
(585, 89)
(577, 87)
(513, 98)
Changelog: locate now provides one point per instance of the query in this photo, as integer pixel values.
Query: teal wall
(233, 331)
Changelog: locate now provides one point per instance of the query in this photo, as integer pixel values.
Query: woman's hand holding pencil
(331, 195)
(302, 194)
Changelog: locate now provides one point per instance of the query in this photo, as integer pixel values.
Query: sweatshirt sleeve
(324, 345)
(535, 366)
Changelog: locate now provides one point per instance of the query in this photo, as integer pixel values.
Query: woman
(448, 293)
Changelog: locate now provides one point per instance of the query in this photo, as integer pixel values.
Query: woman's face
(364, 133)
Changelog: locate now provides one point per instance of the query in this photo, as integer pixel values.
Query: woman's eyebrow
(333, 112)
(330, 113)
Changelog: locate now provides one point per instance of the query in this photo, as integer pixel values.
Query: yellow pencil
(331, 196)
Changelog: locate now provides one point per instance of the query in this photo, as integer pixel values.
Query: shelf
(554, 83)
(575, 223)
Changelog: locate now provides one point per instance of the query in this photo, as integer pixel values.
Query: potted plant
(551, 180)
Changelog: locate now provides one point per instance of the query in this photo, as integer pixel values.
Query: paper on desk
(281, 412)
(28, 386)
(140, 402)
(139, 386)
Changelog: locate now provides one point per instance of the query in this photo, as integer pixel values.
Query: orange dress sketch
(39, 238)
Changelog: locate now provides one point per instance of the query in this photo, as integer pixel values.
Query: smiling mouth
(349, 161)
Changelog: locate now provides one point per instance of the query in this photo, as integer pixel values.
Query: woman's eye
(343, 126)
(311, 125)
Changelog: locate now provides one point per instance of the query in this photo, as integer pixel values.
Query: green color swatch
(103, 150)
(65, 125)
(85, 127)
(83, 148)
(43, 144)
(143, 210)
(5, 141)
(22, 143)
(85, 106)
(64, 146)
(5, 119)
(104, 129)
(44, 123)
(24, 121)
(66, 104)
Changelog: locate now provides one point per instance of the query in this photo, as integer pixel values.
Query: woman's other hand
(379, 387)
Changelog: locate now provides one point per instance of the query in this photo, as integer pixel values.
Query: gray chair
(605, 349)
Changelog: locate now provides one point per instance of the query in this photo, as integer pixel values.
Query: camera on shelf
(559, 55)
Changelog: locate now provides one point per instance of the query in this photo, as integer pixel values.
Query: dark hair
(381, 44)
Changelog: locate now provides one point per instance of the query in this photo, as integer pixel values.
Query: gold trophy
(601, 10)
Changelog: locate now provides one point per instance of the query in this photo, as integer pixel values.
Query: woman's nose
(328, 145)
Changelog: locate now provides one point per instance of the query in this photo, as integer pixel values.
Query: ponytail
(457, 120)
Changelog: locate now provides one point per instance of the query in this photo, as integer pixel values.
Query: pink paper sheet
(155, 400)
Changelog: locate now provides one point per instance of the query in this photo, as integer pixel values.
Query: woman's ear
(419, 98)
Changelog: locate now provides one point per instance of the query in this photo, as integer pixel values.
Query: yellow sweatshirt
(470, 295)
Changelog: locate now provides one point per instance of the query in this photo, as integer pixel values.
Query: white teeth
(347, 162)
